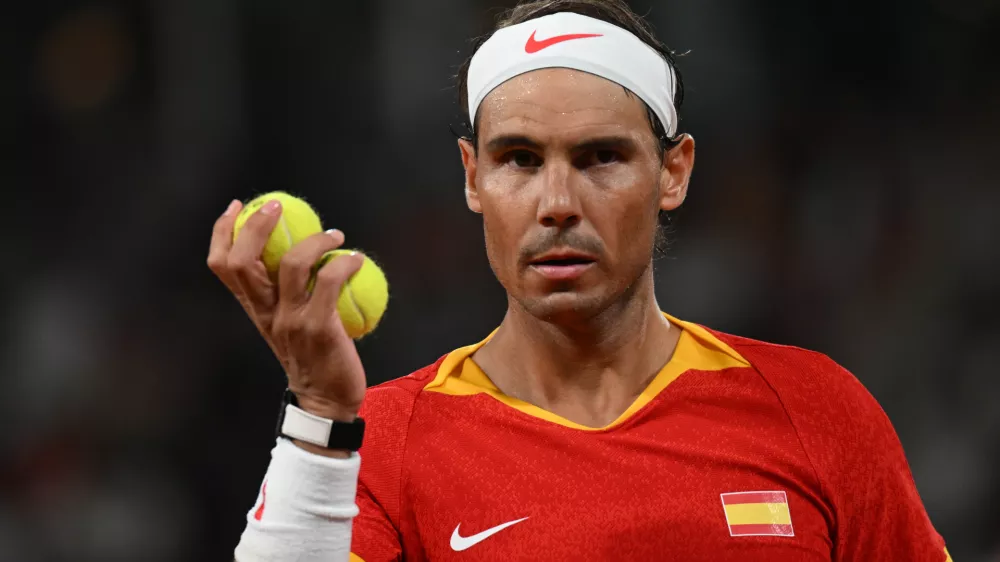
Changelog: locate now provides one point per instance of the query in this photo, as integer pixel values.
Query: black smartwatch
(296, 423)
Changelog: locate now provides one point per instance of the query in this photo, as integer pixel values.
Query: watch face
(347, 435)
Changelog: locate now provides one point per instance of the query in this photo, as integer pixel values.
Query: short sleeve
(374, 538)
(858, 458)
(880, 515)
(386, 410)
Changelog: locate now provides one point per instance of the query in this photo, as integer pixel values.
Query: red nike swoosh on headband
(533, 46)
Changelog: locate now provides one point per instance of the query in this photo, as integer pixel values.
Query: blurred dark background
(845, 200)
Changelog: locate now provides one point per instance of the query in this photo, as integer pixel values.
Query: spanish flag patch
(757, 514)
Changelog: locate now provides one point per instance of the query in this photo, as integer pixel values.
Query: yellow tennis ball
(363, 298)
(298, 221)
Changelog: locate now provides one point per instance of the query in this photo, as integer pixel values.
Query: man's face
(570, 180)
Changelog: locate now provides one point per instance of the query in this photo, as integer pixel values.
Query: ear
(675, 173)
(469, 162)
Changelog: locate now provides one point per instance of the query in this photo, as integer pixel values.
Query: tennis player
(590, 425)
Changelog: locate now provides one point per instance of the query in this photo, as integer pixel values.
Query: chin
(564, 307)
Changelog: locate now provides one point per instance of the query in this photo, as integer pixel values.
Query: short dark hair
(615, 12)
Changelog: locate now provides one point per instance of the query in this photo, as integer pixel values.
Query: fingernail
(335, 233)
(271, 207)
(232, 207)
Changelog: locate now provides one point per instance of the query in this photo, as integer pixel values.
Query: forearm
(305, 509)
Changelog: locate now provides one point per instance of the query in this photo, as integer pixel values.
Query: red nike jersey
(737, 451)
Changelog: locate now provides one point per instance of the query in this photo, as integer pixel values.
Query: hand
(302, 328)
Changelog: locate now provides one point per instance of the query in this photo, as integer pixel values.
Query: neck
(587, 370)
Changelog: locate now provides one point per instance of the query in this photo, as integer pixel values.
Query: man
(589, 425)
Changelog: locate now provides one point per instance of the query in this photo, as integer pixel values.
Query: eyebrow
(504, 142)
(614, 142)
(611, 142)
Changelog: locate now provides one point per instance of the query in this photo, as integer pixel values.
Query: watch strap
(296, 423)
(300, 424)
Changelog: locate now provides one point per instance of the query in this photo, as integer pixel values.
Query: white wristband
(305, 509)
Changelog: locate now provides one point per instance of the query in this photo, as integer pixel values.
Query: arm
(306, 503)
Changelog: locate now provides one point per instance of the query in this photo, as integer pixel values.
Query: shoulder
(387, 406)
(853, 449)
(805, 378)
(836, 419)
(387, 409)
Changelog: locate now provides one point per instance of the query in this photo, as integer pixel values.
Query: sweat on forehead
(561, 98)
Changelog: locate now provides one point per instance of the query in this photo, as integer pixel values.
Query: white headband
(568, 40)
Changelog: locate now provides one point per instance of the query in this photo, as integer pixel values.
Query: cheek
(629, 215)
(630, 234)
(493, 234)
(502, 216)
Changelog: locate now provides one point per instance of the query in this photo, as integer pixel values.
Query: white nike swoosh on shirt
(460, 543)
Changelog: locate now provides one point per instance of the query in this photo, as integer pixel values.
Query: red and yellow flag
(757, 513)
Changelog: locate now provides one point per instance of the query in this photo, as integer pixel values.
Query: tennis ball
(298, 221)
(363, 298)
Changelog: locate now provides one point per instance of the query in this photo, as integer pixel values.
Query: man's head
(570, 169)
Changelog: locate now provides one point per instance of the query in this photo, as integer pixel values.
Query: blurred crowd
(845, 199)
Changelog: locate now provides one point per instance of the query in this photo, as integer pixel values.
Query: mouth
(562, 265)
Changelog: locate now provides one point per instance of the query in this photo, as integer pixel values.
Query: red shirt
(737, 451)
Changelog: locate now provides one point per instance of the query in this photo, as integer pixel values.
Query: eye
(598, 157)
(606, 157)
(523, 159)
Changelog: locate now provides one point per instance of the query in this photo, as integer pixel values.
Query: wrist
(327, 409)
(322, 451)
(320, 426)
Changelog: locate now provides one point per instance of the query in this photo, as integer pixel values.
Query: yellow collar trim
(697, 349)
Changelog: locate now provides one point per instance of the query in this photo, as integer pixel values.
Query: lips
(562, 265)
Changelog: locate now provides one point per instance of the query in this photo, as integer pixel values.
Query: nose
(559, 205)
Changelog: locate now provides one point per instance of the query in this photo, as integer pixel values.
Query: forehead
(554, 101)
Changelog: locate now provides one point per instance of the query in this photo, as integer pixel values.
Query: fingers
(329, 280)
(314, 329)
(253, 236)
(222, 241)
(297, 265)
(244, 257)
